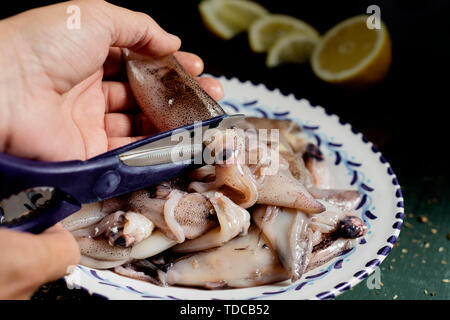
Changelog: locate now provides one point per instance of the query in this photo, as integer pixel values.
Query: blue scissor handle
(96, 179)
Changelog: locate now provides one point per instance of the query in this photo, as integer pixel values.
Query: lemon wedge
(227, 18)
(265, 31)
(291, 48)
(352, 55)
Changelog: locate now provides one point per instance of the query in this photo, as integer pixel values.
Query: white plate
(356, 164)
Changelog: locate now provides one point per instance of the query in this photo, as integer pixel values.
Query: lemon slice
(294, 48)
(352, 55)
(265, 31)
(227, 18)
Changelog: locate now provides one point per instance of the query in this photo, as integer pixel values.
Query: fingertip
(173, 39)
(198, 65)
(190, 61)
(162, 43)
(212, 86)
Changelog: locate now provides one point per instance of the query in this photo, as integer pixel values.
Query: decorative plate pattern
(356, 164)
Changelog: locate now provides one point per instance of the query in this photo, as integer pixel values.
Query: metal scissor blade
(36, 209)
(21, 203)
(181, 145)
(230, 121)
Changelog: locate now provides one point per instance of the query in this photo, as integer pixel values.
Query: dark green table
(418, 266)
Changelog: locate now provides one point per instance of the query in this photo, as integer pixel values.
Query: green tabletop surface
(418, 265)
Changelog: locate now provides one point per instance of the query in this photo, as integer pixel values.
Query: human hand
(27, 261)
(55, 106)
(54, 103)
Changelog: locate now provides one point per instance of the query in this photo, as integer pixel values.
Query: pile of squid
(231, 224)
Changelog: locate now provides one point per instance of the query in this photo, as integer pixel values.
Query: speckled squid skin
(167, 93)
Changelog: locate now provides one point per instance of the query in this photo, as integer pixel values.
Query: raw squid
(290, 132)
(316, 164)
(234, 180)
(180, 215)
(231, 224)
(239, 182)
(121, 228)
(346, 200)
(234, 220)
(328, 220)
(242, 262)
(102, 250)
(97, 253)
(289, 235)
(324, 254)
(100, 264)
(298, 169)
(87, 216)
(232, 177)
(166, 93)
(282, 189)
(151, 246)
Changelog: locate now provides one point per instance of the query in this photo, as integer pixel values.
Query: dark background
(405, 116)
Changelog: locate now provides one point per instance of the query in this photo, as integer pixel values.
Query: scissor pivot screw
(107, 184)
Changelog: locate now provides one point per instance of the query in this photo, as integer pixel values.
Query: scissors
(132, 167)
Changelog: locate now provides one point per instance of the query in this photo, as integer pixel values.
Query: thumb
(27, 261)
(138, 32)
